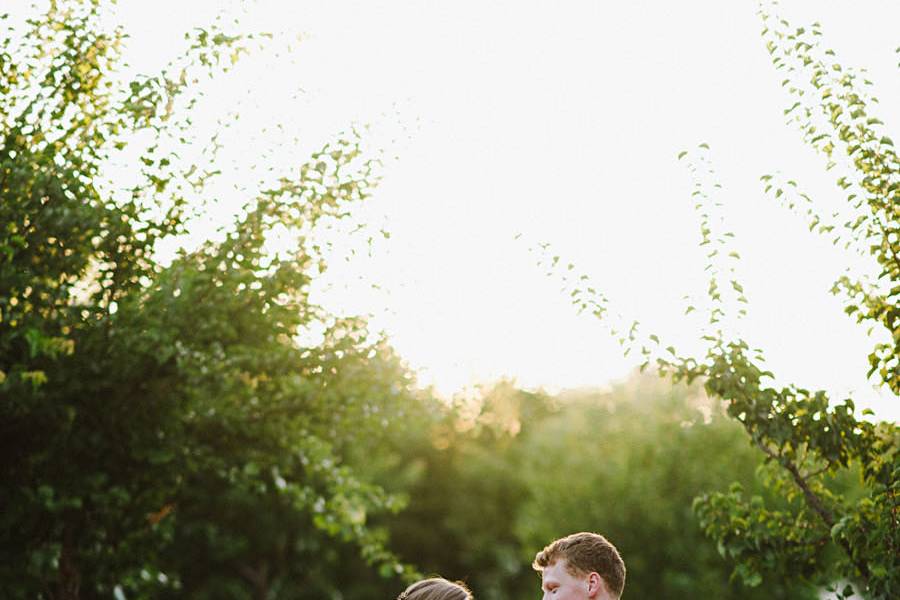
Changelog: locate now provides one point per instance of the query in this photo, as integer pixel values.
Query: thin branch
(815, 503)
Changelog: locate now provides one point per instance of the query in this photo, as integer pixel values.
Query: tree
(810, 443)
(628, 464)
(496, 479)
(466, 493)
(157, 417)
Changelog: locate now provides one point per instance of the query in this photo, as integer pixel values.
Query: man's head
(581, 566)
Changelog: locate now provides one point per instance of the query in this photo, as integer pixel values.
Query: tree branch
(815, 503)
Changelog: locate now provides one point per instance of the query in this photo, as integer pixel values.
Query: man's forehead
(554, 569)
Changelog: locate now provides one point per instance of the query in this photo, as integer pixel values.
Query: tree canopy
(810, 442)
(163, 425)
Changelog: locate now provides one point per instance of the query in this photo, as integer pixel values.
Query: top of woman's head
(436, 588)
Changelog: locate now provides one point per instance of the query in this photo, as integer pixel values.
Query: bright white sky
(560, 121)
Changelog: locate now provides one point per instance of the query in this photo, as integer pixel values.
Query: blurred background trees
(498, 486)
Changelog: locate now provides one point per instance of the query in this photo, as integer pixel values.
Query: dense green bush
(161, 425)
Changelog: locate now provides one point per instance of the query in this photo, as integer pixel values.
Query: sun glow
(562, 126)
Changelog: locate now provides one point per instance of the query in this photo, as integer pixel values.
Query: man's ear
(596, 586)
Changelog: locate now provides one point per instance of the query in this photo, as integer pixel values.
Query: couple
(581, 566)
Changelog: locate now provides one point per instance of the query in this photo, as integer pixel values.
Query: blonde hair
(436, 588)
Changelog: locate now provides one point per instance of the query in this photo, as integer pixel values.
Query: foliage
(512, 470)
(164, 427)
(809, 442)
(644, 452)
(467, 489)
